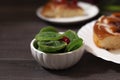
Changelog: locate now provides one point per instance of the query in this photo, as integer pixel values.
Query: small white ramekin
(57, 60)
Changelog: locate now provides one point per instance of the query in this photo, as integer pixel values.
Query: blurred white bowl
(57, 60)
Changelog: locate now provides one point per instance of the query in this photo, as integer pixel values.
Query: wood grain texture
(18, 26)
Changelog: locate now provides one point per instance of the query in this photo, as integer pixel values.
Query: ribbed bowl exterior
(57, 60)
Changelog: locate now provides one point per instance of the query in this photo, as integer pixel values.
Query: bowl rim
(70, 52)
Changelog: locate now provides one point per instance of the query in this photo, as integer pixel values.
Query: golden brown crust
(107, 31)
(55, 10)
(117, 15)
(100, 31)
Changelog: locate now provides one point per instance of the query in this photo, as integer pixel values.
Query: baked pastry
(107, 32)
(61, 9)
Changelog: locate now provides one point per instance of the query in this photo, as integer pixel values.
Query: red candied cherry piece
(66, 39)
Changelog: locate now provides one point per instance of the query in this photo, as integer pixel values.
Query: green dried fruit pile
(49, 40)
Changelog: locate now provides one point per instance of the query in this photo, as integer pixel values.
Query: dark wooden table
(18, 26)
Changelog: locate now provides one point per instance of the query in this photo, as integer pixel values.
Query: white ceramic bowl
(58, 60)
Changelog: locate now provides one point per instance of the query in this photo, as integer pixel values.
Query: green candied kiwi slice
(51, 46)
(75, 44)
(45, 36)
(71, 35)
(48, 29)
(75, 41)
